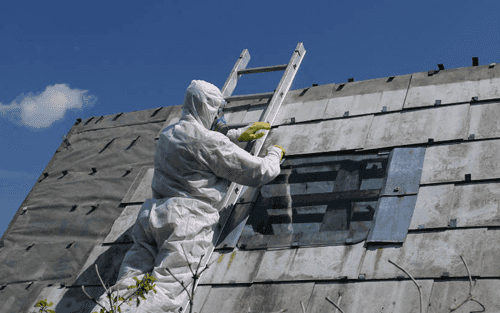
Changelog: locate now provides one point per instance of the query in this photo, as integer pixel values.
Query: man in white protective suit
(193, 168)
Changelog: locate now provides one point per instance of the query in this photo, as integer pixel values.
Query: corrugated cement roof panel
(315, 263)
(70, 299)
(454, 86)
(370, 296)
(18, 297)
(418, 126)
(324, 136)
(428, 254)
(450, 163)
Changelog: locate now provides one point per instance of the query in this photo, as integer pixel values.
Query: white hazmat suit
(193, 169)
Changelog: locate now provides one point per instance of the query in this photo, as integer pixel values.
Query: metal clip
(474, 99)
(438, 102)
(384, 109)
(346, 113)
(468, 177)
(453, 223)
(471, 137)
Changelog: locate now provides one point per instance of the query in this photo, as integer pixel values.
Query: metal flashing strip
(392, 219)
(404, 172)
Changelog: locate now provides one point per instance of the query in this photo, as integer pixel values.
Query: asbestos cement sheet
(315, 263)
(69, 299)
(304, 104)
(108, 260)
(30, 261)
(233, 267)
(484, 120)
(200, 296)
(450, 163)
(368, 97)
(454, 85)
(121, 232)
(254, 114)
(405, 169)
(140, 190)
(173, 117)
(433, 207)
(258, 298)
(124, 119)
(21, 297)
(370, 296)
(428, 254)
(325, 136)
(392, 219)
(413, 127)
(449, 294)
(491, 266)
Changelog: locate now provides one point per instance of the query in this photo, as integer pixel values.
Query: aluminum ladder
(269, 116)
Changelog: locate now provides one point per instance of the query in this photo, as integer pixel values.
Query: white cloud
(41, 110)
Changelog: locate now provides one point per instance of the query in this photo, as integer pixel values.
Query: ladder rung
(263, 69)
(249, 97)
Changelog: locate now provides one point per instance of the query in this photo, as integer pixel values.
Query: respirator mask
(219, 124)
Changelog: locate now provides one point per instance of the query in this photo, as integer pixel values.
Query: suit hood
(202, 102)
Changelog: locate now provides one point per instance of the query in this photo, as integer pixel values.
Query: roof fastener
(492, 65)
(293, 120)
(350, 80)
(471, 137)
(361, 277)
(438, 102)
(431, 140)
(396, 189)
(421, 226)
(441, 67)
(474, 99)
(468, 177)
(475, 61)
(453, 223)
(445, 274)
(346, 113)
(384, 109)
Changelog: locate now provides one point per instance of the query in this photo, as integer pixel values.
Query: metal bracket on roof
(474, 99)
(94, 170)
(431, 141)
(156, 112)
(292, 120)
(445, 274)
(350, 80)
(471, 137)
(475, 61)
(453, 223)
(492, 65)
(438, 102)
(432, 72)
(362, 277)
(468, 177)
(117, 116)
(441, 67)
(384, 109)
(421, 226)
(99, 119)
(24, 211)
(45, 175)
(346, 113)
(88, 121)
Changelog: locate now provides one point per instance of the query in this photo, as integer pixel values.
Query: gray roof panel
(491, 266)
(413, 127)
(235, 267)
(140, 190)
(324, 136)
(315, 263)
(450, 163)
(453, 86)
(121, 232)
(484, 120)
(428, 254)
(370, 296)
(448, 295)
(258, 298)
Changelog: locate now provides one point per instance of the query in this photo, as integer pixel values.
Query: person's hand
(250, 133)
(282, 151)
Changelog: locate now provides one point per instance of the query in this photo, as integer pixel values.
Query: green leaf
(120, 309)
(138, 301)
(50, 304)
(51, 311)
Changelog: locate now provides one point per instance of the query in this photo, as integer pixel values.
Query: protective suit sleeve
(234, 134)
(229, 161)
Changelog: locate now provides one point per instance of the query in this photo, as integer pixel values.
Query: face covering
(219, 124)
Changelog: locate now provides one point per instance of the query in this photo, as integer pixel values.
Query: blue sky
(62, 60)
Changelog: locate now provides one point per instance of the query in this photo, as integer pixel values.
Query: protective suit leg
(180, 228)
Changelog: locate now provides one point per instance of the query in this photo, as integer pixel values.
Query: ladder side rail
(233, 77)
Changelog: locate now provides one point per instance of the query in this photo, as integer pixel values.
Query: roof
(81, 211)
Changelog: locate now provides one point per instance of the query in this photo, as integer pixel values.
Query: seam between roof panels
(407, 91)
(135, 124)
